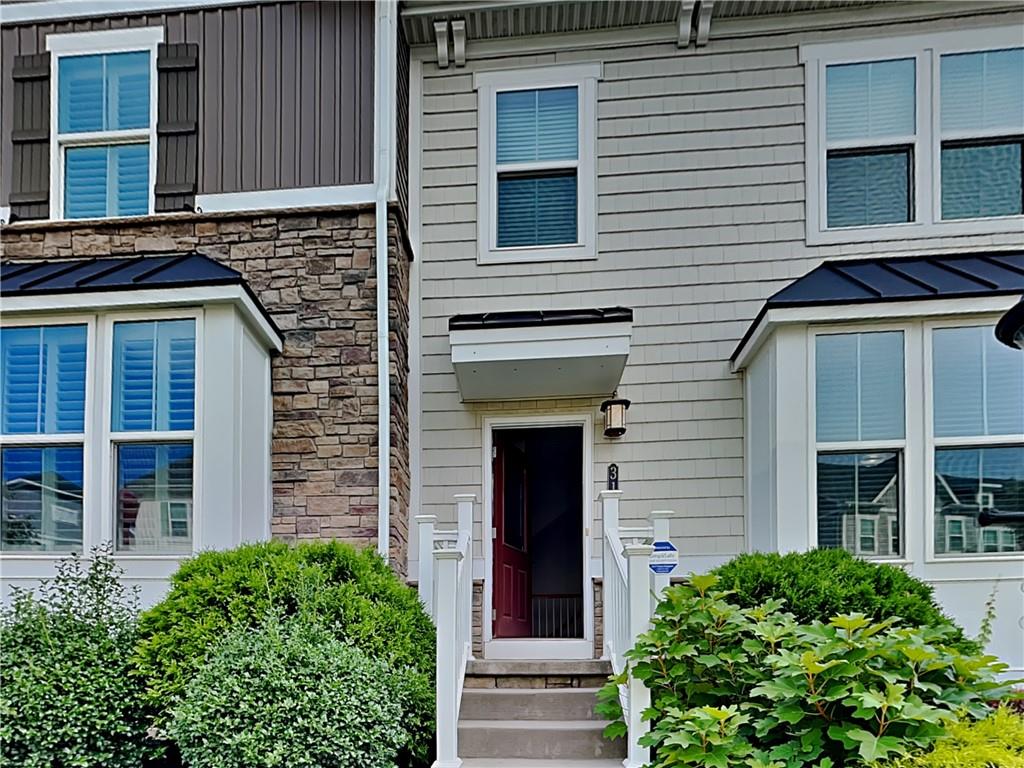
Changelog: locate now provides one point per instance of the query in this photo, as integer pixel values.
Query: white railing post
(464, 505)
(609, 522)
(447, 556)
(425, 530)
(638, 556)
(464, 508)
(661, 520)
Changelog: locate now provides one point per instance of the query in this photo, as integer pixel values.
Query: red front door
(511, 558)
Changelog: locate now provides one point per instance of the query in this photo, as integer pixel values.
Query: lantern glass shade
(614, 417)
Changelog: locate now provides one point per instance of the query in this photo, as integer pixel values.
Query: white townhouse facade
(784, 232)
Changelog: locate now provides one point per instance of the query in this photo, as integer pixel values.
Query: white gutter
(384, 137)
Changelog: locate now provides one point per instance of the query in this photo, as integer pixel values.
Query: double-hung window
(103, 146)
(978, 433)
(537, 179)
(152, 423)
(860, 432)
(914, 137)
(42, 424)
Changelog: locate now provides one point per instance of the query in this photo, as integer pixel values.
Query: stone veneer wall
(314, 271)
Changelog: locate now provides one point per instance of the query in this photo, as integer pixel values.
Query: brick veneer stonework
(314, 271)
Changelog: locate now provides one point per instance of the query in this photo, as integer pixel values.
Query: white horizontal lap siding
(700, 218)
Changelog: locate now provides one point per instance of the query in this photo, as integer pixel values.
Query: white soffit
(496, 360)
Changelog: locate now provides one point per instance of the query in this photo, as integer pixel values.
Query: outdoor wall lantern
(614, 417)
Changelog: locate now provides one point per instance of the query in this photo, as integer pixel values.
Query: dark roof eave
(539, 317)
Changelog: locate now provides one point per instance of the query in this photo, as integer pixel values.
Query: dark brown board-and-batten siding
(286, 91)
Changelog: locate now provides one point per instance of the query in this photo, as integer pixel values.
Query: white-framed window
(142, 437)
(894, 535)
(977, 438)
(956, 533)
(45, 395)
(859, 436)
(103, 116)
(536, 164)
(912, 137)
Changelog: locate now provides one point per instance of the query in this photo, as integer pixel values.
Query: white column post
(609, 522)
(464, 504)
(661, 520)
(446, 562)
(638, 556)
(610, 510)
(425, 530)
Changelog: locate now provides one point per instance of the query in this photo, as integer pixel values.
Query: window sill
(915, 230)
(540, 254)
(1008, 557)
(65, 555)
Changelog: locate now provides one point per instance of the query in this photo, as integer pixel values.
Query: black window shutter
(177, 126)
(30, 166)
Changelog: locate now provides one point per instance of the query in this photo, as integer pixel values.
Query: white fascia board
(298, 197)
(50, 10)
(540, 342)
(99, 301)
(881, 311)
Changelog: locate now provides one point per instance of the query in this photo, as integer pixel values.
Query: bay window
(978, 428)
(860, 431)
(42, 415)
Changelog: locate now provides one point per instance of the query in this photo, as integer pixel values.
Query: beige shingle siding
(700, 218)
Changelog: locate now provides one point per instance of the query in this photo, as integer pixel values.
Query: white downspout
(384, 98)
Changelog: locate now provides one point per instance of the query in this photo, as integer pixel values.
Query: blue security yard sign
(664, 558)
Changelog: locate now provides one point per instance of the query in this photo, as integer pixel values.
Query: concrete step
(529, 704)
(534, 667)
(533, 739)
(502, 762)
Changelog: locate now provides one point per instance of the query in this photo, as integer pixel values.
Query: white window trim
(949, 535)
(86, 43)
(487, 84)
(927, 50)
(99, 518)
(932, 442)
(901, 446)
(83, 439)
(111, 439)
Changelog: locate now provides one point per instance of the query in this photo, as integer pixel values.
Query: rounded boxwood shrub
(351, 591)
(827, 582)
(68, 695)
(289, 694)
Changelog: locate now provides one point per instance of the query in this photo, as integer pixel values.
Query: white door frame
(538, 648)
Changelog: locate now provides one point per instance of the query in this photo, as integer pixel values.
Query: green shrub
(290, 694)
(353, 592)
(68, 696)
(995, 742)
(828, 582)
(734, 686)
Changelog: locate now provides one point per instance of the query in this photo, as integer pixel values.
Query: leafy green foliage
(68, 696)
(290, 694)
(733, 686)
(828, 582)
(995, 742)
(350, 591)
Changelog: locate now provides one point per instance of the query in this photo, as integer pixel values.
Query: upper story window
(915, 137)
(536, 154)
(103, 136)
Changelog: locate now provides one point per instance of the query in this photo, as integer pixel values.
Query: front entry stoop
(535, 714)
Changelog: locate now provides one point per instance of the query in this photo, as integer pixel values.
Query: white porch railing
(446, 589)
(630, 596)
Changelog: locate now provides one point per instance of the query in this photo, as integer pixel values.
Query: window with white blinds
(915, 137)
(982, 131)
(978, 427)
(537, 156)
(153, 421)
(536, 198)
(860, 427)
(104, 126)
(42, 426)
(871, 133)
